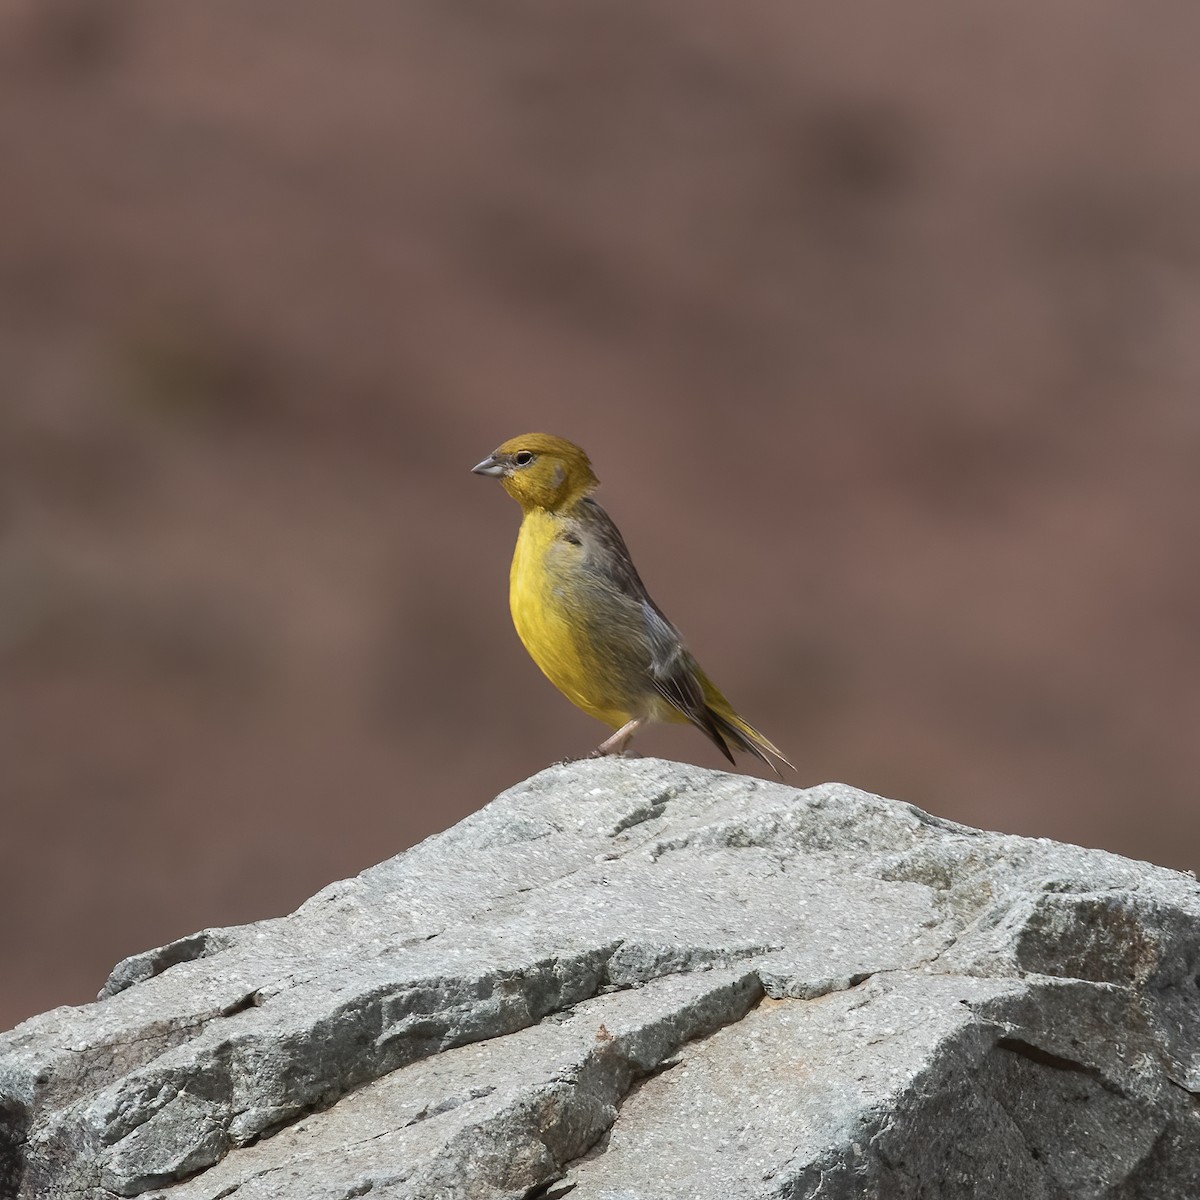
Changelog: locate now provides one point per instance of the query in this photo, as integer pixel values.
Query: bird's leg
(619, 740)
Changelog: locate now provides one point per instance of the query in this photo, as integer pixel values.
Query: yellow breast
(545, 612)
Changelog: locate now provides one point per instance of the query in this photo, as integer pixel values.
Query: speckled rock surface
(635, 979)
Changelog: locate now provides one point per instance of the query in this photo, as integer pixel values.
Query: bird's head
(539, 470)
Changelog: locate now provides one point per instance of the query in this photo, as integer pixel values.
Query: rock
(637, 979)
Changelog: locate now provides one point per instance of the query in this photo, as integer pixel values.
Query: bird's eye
(523, 458)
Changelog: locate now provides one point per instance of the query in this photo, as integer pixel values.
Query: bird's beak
(489, 466)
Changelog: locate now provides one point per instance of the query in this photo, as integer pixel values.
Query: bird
(585, 617)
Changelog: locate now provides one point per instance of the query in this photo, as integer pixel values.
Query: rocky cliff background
(879, 322)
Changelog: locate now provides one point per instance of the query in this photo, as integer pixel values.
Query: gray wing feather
(671, 670)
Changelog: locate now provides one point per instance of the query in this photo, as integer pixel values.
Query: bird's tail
(743, 736)
(710, 712)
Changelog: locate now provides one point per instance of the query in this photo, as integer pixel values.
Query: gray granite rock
(638, 979)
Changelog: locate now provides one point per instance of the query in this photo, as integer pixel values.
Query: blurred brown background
(881, 324)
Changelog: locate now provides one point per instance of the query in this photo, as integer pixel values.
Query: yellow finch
(584, 614)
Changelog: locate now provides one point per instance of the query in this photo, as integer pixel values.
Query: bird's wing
(605, 556)
(671, 670)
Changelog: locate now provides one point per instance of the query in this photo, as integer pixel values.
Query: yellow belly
(550, 631)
